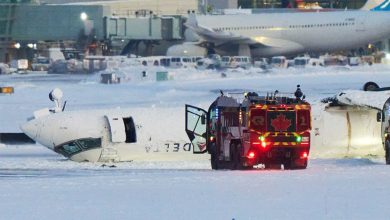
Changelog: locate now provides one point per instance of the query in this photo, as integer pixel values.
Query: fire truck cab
(268, 130)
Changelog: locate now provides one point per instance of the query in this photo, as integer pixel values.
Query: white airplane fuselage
(102, 136)
(293, 33)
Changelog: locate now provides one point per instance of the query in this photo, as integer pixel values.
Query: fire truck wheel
(214, 163)
(288, 164)
(302, 165)
(387, 152)
(296, 164)
(235, 151)
(214, 158)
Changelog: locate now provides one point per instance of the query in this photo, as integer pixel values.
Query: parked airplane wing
(222, 37)
(209, 35)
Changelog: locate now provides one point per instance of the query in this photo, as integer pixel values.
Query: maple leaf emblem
(281, 123)
(202, 146)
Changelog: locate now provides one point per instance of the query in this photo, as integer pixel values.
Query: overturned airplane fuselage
(105, 136)
(353, 123)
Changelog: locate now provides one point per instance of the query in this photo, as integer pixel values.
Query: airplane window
(74, 147)
(68, 149)
(71, 148)
(89, 143)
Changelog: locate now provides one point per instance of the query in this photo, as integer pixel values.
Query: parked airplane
(287, 33)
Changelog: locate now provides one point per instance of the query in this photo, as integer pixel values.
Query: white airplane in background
(287, 33)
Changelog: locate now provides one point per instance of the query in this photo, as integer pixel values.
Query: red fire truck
(269, 130)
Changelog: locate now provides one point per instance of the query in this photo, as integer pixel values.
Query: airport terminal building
(144, 27)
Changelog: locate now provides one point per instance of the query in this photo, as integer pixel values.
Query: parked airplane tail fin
(192, 21)
(385, 6)
(377, 5)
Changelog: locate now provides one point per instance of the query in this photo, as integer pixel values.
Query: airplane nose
(30, 129)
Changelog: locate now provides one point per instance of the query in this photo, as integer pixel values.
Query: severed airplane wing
(368, 99)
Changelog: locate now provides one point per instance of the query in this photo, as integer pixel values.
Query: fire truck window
(194, 122)
(213, 118)
(196, 129)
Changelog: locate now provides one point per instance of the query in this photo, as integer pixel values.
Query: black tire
(214, 158)
(267, 166)
(370, 86)
(235, 152)
(214, 162)
(387, 152)
(300, 167)
(288, 164)
(292, 165)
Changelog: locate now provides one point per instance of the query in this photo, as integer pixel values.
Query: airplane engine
(186, 49)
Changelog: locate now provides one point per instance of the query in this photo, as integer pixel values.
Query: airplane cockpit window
(89, 143)
(73, 147)
(70, 148)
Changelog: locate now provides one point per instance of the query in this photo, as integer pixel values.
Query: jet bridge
(27, 24)
(143, 28)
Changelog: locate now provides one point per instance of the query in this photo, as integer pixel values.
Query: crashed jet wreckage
(353, 123)
(111, 135)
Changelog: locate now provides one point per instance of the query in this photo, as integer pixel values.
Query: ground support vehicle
(268, 130)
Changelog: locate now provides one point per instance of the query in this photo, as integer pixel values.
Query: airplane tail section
(385, 6)
(376, 5)
(192, 22)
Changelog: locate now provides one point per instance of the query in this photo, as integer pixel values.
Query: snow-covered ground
(39, 184)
